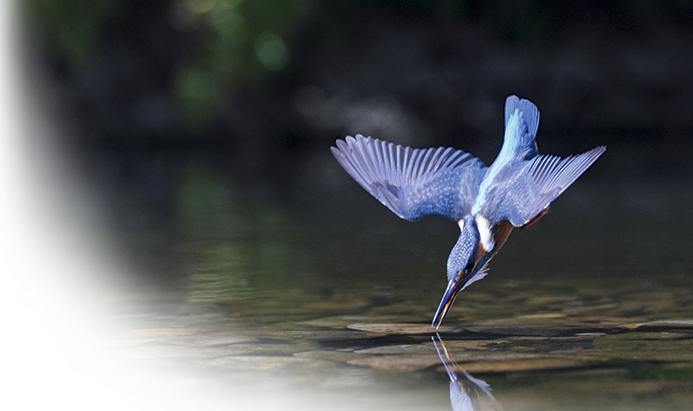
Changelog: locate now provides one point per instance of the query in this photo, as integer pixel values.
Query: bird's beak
(451, 291)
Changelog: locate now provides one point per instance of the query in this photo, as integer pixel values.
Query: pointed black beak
(446, 302)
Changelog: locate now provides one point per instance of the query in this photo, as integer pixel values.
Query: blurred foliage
(71, 27)
(231, 44)
(243, 42)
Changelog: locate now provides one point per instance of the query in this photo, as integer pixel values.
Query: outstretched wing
(540, 181)
(412, 183)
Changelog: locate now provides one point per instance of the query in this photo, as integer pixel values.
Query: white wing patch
(485, 234)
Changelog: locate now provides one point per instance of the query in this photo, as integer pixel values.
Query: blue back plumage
(520, 184)
(521, 125)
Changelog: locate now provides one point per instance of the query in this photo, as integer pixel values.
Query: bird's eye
(469, 266)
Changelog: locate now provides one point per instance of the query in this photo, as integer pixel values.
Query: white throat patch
(485, 234)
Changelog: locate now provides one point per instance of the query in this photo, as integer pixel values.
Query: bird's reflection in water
(466, 392)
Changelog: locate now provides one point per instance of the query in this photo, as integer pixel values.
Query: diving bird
(486, 202)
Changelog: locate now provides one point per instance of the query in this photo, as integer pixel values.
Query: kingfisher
(487, 202)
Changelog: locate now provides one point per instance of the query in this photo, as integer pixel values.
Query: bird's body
(486, 202)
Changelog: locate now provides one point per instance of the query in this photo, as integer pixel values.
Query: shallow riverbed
(325, 302)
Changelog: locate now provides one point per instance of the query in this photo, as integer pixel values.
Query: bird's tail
(523, 140)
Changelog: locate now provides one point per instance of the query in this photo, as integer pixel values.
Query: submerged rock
(140, 381)
(161, 332)
(172, 351)
(398, 328)
(266, 363)
(404, 363)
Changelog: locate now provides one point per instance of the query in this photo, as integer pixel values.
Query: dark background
(179, 178)
(154, 94)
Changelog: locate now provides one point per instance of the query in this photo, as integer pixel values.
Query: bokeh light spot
(271, 51)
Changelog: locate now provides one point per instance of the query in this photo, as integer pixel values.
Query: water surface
(320, 298)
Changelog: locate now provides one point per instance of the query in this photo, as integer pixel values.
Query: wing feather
(412, 183)
(539, 182)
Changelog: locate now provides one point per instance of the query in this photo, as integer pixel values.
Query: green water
(298, 301)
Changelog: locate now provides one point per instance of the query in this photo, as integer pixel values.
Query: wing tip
(592, 155)
(599, 150)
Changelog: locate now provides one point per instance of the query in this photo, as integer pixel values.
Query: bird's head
(477, 244)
